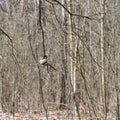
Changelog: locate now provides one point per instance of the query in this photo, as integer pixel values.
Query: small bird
(43, 61)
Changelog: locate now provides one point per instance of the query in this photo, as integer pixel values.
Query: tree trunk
(103, 100)
(64, 60)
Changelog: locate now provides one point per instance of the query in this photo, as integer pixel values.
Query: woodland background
(81, 39)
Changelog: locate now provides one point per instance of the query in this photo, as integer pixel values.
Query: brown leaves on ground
(53, 115)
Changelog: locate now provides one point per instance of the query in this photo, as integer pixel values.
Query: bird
(43, 61)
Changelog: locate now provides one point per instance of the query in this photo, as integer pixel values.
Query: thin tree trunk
(64, 60)
(116, 59)
(103, 100)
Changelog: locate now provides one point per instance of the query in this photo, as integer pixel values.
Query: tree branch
(72, 14)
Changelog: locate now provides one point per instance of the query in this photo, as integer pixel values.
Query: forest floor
(52, 115)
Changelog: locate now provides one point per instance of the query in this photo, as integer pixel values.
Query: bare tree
(64, 58)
